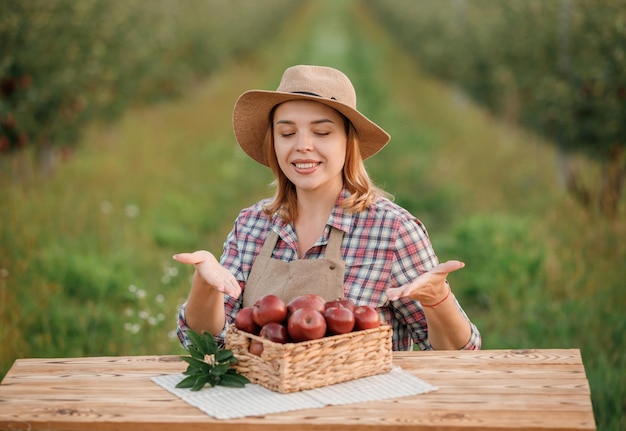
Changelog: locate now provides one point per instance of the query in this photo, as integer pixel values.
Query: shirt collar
(339, 219)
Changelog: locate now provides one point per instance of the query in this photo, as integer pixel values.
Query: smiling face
(310, 144)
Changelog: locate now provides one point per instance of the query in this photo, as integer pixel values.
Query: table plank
(480, 390)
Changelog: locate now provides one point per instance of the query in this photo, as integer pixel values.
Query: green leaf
(233, 380)
(232, 372)
(223, 355)
(201, 381)
(210, 343)
(199, 342)
(187, 382)
(195, 352)
(220, 369)
(197, 363)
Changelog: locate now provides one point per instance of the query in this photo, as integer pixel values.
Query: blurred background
(508, 141)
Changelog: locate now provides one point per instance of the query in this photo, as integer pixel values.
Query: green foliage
(505, 275)
(209, 364)
(564, 62)
(66, 63)
(557, 67)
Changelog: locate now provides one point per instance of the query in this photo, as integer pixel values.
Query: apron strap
(268, 246)
(333, 249)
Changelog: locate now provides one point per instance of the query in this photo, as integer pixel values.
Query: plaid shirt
(383, 246)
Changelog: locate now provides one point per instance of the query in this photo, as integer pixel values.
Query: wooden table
(478, 390)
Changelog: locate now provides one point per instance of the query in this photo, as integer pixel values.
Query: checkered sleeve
(181, 327)
(475, 341)
(231, 260)
(415, 255)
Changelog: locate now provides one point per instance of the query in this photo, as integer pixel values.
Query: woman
(328, 229)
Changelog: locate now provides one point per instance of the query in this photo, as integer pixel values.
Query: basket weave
(293, 367)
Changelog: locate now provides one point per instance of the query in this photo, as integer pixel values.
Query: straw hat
(251, 116)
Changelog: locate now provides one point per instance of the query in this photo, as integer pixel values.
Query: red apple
(308, 300)
(365, 317)
(256, 347)
(345, 302)
(245, 322)
(306, 324)
(274, 332)
(269, 308)
(339, 320)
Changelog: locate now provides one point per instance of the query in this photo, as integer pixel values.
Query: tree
(559, 68)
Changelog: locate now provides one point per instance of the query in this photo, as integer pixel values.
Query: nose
(304, 142)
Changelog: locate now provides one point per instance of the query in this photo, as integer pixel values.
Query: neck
(316, 204)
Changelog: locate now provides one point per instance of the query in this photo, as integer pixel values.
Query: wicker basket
(293, 367)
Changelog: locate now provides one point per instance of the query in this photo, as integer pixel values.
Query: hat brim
(251, 121)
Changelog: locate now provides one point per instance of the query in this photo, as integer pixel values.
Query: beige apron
(290, 279)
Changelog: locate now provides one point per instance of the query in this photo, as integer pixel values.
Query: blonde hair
(355, 178)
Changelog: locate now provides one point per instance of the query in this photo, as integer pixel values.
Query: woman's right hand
(214, 274)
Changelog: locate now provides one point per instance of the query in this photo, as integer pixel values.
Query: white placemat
(253, 400)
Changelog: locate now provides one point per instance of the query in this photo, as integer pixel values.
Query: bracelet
(444, 298)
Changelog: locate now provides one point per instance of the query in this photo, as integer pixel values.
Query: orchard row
(556, 67)
(66, 62)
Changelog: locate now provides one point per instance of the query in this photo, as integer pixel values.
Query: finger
(191, 258)
(395, 293)
(186, 258)
(447, 267)
(234, 291)
(232, 288)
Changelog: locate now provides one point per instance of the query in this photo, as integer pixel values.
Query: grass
(85, 255)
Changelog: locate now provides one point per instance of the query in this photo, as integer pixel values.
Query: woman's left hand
(430, 287)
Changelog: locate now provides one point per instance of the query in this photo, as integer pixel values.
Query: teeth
(305, 165)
